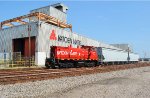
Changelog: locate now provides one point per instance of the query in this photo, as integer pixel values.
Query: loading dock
(22, 45)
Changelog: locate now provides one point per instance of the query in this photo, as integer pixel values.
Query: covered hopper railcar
(114, 56)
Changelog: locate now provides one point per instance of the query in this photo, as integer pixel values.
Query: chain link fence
(15, 59)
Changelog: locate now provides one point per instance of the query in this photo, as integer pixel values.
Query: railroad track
(32, 75)
(3, 74)
(23, 74)
(17, 76)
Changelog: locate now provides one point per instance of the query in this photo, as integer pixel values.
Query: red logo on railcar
(53, 35)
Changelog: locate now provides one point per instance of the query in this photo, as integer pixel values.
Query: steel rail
(25, 75)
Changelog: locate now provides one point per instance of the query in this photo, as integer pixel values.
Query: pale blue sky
(109, 22)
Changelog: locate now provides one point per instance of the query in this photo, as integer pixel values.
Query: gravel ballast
(47, 87)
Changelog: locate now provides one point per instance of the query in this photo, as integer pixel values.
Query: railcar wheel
(50, 66)
(47, 66)
(90, 64)
(75, 64)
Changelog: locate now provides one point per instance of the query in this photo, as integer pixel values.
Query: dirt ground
(131, 86)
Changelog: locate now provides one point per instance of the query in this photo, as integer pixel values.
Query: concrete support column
(40, 59)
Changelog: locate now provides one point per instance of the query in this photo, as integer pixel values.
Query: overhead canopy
(39, 16)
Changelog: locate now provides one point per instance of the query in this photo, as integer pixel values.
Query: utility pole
(128, 58)
(144, 55)
(29, 31)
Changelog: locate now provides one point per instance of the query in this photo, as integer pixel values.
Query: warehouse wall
(6, 35)
(21, 31)
(44, 37)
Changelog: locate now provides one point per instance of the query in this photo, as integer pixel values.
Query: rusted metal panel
(26, 47)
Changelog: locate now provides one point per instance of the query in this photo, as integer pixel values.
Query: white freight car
(118, 56)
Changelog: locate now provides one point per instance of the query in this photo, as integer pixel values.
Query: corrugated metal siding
(21, 31)
(46, 30)
(44, 10)
(4, 56)
(58, 14)
(44, 38)
(49, 10)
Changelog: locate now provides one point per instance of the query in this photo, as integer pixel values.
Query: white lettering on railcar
(62, 53)
(73, 53)
(66, 53)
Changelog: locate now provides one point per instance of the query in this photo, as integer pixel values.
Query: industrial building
(34, 33)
